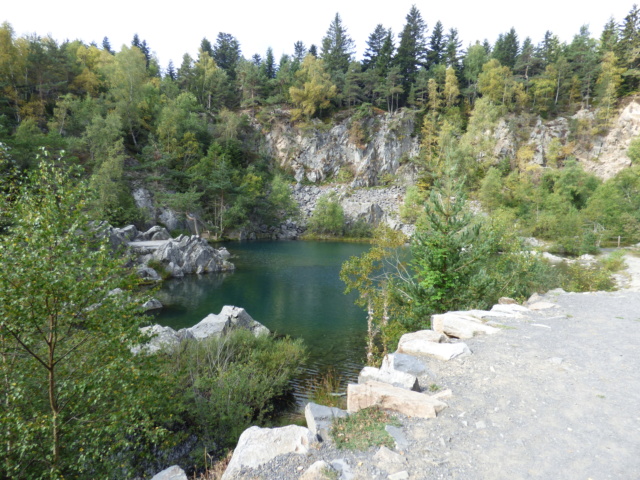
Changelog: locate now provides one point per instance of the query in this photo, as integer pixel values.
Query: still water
(293, 289)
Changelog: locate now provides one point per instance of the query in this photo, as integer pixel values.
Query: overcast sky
(177, 28)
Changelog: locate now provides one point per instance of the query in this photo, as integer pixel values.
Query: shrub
(224, 385)
(328, 216)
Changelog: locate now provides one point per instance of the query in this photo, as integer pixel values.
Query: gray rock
(388, 397)
(320, 418)
(148, 273)
(171, 473)
(161, 337)
(257, 446)
(462, 324)
(319, 470)
(210, 326)
(402, 443)
(407, 363)
(414, 344)
(186, 255)
(392, 377)
(343, 469)
(152, 304)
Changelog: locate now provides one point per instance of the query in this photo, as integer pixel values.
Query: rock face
(257, 446)
(392, 398)
(321, 155)
(185, 255)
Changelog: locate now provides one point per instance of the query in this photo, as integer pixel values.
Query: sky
(178, 28)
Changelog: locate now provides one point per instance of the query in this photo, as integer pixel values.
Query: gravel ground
(554, 395)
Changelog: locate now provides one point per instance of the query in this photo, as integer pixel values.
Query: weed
(323, 390)
(434, 388)
(363, 429)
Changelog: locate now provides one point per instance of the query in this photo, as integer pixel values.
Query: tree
(337, 48)
(374, 47)
(315, 89)
(437, 45)
(412, 50)
(74, 398)
(507, 48)
(328, 216)
(226, 53)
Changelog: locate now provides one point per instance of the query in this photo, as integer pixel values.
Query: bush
(328, 216)
(224, 385)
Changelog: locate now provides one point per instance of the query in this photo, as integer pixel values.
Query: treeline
(186, 133)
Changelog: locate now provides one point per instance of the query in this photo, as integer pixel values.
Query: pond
(293, 288)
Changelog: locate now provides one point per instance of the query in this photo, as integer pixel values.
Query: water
(293, 288)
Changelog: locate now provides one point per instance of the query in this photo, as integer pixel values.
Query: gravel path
(554, 395)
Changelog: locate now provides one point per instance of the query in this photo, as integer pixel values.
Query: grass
(363, 429)
(434, 387)
(324, 390)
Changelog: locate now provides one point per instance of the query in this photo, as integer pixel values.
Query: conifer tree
(412, 50)
(337, 48)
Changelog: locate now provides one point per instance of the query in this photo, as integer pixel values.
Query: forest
(82, 126)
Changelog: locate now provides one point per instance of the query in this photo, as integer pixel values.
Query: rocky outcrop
(212, 325)
(317, 155)
(186, 255)
(257, 446)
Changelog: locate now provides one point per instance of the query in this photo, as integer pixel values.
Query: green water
(292, 288)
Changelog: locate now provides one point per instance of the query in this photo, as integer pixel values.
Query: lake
(291, 287)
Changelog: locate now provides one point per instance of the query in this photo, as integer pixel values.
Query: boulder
(506, 301)
(148, 274)
(510, 310)
(461, 325)
(257, 446)
(392, 377)
(161, 337)
(210, 326)
(320, 418)
(171, 473)
(388, 397)
(410, 364)
(186, 255)
(151, 304)
(389, 461)
(415, 344)
(542, 305)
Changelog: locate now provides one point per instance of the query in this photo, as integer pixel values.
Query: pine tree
(106, 46)
(437, 45)
(412, 50)
(337, 48)
(507, 48)
(226, 53)
(375, 44)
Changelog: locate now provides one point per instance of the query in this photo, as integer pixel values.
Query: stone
(319, 470)
(402, 443)
(148, 274)
(511, 310)
(171, 473)
(442, 395)
(187, 255)
(320, 418)
(388, 397)
(414, 344)
(152, 304)
(541, 306)
(392, 377)
(161, 337)
(460, 325)
(408, 364)
(554, 259)
(239, 318)
(258, 446)
(210, 326)
(389, 461)
(506, 301)
(343, 469)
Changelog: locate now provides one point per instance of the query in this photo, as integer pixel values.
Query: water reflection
(291, 287)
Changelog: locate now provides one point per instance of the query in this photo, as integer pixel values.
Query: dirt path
(554, 395)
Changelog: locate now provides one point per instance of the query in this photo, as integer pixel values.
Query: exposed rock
(408, 364)
(161, 337)
(321, 155)
(257, 446)
(319, 470)
(148, 274)
(211, 326)
(460, 325)
(418, 343)
(319, 419)
(184, 255)
(389, 461)
(552, 258)
(541, 306)
(511, 310)
(397, 433)
(403, 475)
(154, 233)
(442, 395)
(392, 398)
(152, 304)
(506, 301)
(392, 377)
(171, 473)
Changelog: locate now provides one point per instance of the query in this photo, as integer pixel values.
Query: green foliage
(324, 389)
(327, 217)
(363, 429)
(75, 402)
(221, 386)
